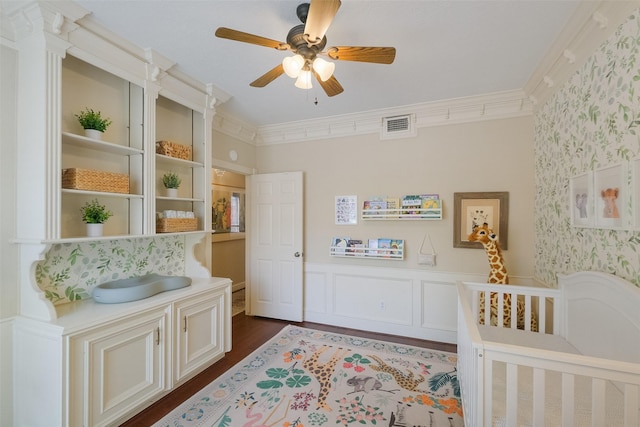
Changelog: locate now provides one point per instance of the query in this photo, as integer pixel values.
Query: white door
(274, 246)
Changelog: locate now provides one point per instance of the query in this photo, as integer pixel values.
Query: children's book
(352, 244)
(383, 247)
(396, 247)
(373, 246)
(339, 244)
(377, 207)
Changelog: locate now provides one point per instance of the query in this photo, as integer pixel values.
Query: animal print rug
(303, 377)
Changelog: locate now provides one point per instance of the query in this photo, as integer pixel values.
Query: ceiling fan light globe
(324, 68)
(304, 80)
(292, 65)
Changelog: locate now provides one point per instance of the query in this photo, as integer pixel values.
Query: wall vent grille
(398, 127)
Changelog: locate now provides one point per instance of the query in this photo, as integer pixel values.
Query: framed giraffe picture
(475, 209)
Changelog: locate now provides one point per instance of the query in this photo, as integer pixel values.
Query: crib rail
(470, 356)
(541, 303)
(591, 371)
(479, 360)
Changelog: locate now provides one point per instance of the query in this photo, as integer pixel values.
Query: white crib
(581, 368)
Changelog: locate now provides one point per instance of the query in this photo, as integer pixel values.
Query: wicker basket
(93, 180)
(173, 149)
(174, 225)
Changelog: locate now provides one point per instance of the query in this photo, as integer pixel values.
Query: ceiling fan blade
(228, 33)
(321, 13)
(268, 77)
(331, 87)
(378, 55)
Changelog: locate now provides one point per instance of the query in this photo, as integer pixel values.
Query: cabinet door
(117, 368)
(199, 333)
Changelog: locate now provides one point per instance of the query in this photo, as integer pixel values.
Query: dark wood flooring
(249, 333)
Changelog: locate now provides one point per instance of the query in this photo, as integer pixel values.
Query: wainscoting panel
(372, 297)
(437, 312)
(413, 303)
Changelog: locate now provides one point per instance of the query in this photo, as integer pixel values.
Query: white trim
(452, 111)
(588, 28)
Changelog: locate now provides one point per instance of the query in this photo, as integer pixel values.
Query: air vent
(398, 127)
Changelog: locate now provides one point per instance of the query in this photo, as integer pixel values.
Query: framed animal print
(471, 209)
(581, 200)
(610, 196)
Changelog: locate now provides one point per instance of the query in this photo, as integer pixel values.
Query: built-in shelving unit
(181, 125)
(120, 151)
(66, 67)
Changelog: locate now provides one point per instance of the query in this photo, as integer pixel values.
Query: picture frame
(478, 208)
(610, 195)
(581, 200)
(227, 209)
(346, 210)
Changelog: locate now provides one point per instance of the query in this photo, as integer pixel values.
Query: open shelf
(395, 251)
(401, 214)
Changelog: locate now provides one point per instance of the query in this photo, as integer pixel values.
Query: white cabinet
(116, 367)
(199, 333)
(100, 364)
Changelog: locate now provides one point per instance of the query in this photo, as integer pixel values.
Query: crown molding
(591, 24)
(453, 111)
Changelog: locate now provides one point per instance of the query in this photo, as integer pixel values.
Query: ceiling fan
(307, 42)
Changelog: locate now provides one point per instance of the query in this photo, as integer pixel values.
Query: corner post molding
(41, 38)
(151, 91)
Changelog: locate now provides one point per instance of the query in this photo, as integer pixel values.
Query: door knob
(297, 255)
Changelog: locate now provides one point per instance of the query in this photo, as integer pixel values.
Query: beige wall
(492, 155)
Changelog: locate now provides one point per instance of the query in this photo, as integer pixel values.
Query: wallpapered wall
(70, 271)
(592, 122)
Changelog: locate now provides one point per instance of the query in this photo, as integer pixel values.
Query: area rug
(304, 377)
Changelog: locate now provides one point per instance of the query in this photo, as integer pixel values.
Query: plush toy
(498, 275)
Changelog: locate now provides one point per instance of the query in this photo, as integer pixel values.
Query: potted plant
(95, 214)
(93, 123)
(171, 182)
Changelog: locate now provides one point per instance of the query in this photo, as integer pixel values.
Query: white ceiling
(445, 49)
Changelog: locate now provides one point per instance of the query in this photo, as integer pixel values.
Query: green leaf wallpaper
(592, 122)
(70, 271)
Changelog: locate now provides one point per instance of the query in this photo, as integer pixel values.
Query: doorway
(228, 255)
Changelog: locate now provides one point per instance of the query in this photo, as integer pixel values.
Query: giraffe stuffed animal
(498, 275)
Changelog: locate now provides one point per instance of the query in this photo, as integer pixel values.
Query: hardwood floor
(249, 333)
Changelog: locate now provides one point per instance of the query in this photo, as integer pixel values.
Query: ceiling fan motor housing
(298, 43)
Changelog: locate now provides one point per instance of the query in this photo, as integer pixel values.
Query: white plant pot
(94, 230)
(172, 192)
(93, 134)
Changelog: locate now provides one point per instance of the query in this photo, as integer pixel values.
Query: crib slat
(514, 311)
(631, 405)
(568, 381)
(512, 394)
(488, 391)
(597, 402)
(500, 309)
(538, 397)
(527, 312)
(542, 315)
